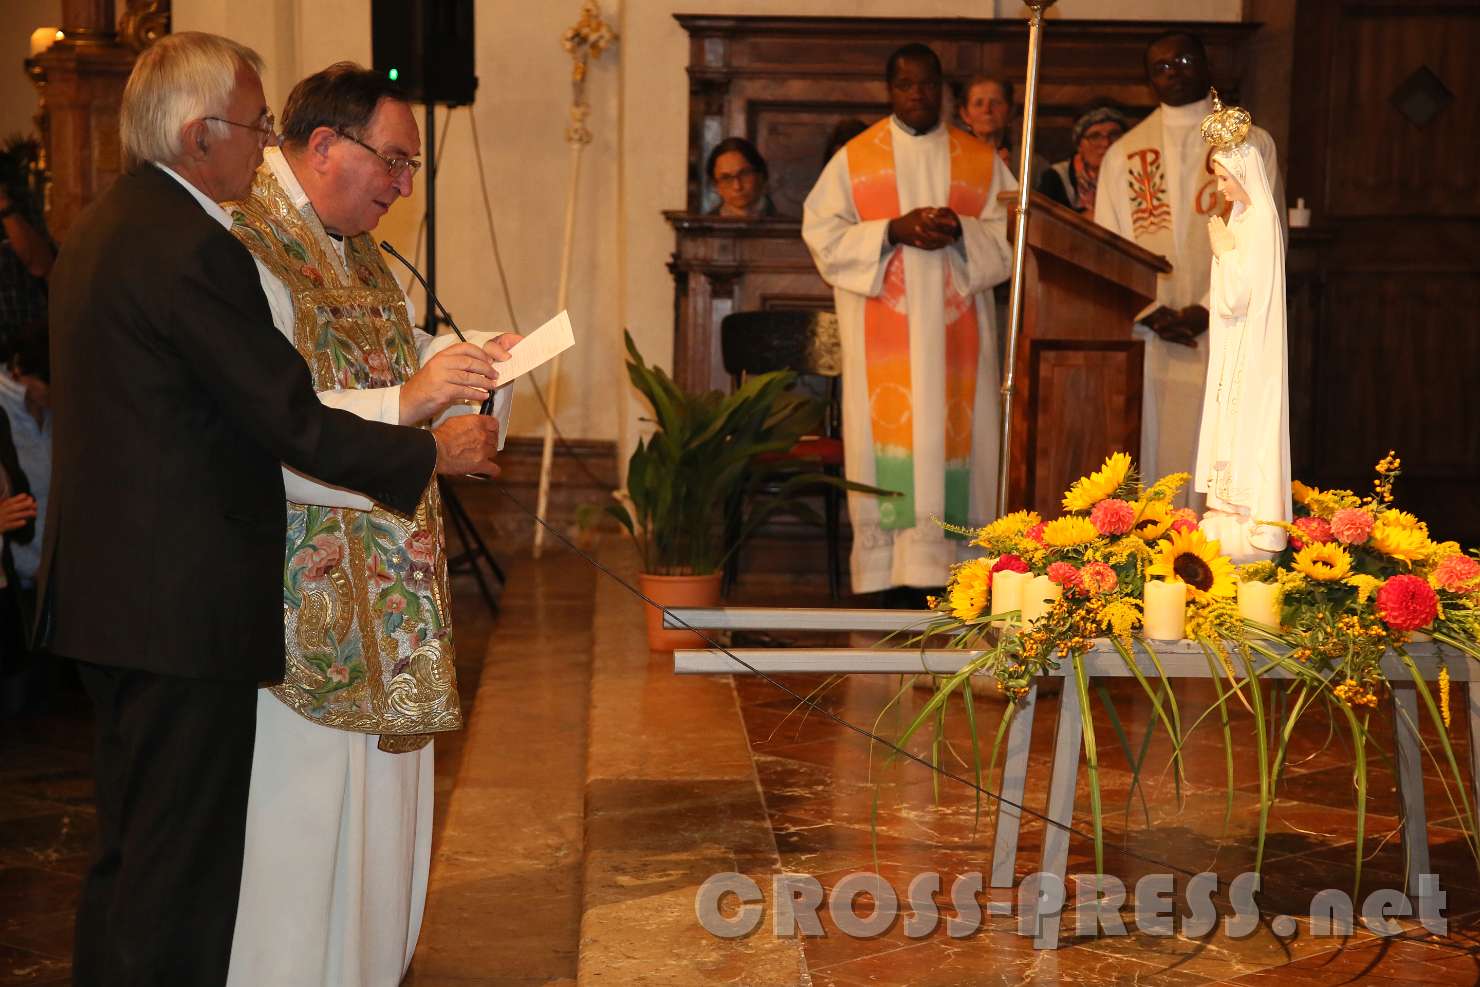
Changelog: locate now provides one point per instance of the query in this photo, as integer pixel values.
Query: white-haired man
(176, 400)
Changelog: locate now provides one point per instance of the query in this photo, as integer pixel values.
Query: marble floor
(593, 792)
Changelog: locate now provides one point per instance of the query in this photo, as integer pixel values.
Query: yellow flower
(1398, 538)
(1189, 557)
(1007, 526)
(969, 589)
(1166, 488)
(1366, 585)
(1323, 561)
(1066, 532)
(1300, 493)
(1153, 520)
(1444, 694)
(1088, 491)
(1120, 616)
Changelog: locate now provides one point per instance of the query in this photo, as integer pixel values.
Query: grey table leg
(1014, 777)
(1410, 782)
(1068, 735)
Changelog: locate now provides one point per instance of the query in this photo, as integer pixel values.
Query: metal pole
(429, 317)
(1019, 248)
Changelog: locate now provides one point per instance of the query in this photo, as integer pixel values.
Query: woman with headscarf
(1243, 448)
(1073, 182)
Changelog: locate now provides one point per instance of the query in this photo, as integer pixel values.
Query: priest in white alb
(904, 223)
(339, 814)
(1157, 188)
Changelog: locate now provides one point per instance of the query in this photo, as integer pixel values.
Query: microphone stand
(474, 548)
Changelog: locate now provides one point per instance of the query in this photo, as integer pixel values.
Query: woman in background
(738, 173)
(1073, 182)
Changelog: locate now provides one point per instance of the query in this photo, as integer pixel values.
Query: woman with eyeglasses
(738, 173)
(1073, 182)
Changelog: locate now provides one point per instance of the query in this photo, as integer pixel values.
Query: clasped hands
(928, 228)
(1181, 326)
(462, 373)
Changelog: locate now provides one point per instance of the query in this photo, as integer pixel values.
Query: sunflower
(1088, 491)
(970, 583)
(1398, 538)
(1323, 561)
(1066, 532)
(1189, 557)
(1153, 520)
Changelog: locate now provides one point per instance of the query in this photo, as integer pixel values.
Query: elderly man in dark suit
(175, 402)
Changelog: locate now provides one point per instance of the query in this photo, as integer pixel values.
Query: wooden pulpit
(1077, 394)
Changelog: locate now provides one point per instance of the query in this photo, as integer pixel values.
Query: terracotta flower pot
(676, 591)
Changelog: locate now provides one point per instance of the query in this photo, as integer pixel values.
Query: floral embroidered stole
(365, 598)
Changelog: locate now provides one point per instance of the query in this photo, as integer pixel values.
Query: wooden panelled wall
(1384, 126)
(786, 81)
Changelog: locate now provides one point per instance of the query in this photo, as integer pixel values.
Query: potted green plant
(711, 454)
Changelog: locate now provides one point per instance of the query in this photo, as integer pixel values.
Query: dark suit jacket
(175, 400)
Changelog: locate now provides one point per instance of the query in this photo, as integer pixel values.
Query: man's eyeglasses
(1183, 61)
(266, 128)
(395, 167)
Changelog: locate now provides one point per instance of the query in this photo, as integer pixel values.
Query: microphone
(487, 407)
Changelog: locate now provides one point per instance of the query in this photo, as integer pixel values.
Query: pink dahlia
(1313, 531)
(1012, 563)
(1097, 577)
(1457, 573)
(1113, 516)
(1406, 603)
(1184, 519)
(1351, 526)
(1035, 533)
(1064, 574)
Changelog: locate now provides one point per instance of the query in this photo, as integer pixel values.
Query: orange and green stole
(886, 330)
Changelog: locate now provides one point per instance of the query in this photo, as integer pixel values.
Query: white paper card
(540, 346)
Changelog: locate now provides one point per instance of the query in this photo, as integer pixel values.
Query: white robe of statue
(1173, 374)
(851, 255)
(339, 832)
(1243, 449)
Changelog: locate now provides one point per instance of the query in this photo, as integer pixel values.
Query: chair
(807, 343)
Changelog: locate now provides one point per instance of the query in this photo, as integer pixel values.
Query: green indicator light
(395, 74)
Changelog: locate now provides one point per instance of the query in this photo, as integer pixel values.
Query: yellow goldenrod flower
(1088, 491)
(1189, 557)
(1066, 532)
(1366, 585)
(1444, 694)
(1323, 562)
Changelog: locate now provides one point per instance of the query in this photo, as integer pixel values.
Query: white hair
(180, 78)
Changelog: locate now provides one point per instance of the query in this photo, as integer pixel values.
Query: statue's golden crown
(1226, 126)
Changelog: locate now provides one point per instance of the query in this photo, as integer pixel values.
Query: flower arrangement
(1358, 579)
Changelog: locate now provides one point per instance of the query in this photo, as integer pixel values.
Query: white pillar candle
(1260, 602)
(1007, 590)
(1039, 594)
(1166, 610)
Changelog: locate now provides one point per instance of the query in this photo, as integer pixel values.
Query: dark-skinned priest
(904, 223)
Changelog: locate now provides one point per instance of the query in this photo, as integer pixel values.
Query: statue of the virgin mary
(1243, 448)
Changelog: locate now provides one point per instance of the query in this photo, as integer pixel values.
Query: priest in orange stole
(904, 223)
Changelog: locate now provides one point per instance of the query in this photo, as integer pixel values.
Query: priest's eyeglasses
(395, 167)
(266, 128)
